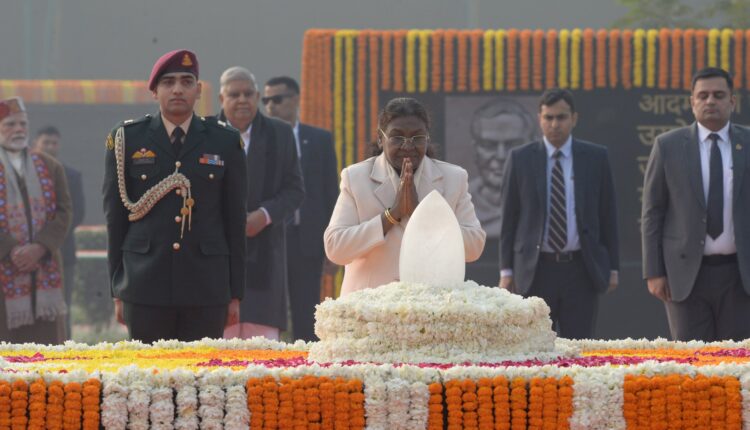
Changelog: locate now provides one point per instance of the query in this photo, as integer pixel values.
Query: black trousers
(304, 274)
(185, 323)
(570, 295)
(717, 309)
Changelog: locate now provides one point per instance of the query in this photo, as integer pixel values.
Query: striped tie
(557, 235)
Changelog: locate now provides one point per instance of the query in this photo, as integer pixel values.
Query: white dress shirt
(724, 244)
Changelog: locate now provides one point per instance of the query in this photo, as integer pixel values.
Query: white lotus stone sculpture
(432, 249)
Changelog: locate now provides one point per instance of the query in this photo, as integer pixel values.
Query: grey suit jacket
(673, 217)
(524, 212)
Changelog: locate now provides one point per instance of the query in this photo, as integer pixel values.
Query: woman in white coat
(378, 195)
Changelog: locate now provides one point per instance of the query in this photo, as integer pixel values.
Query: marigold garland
(687, 57)
(19, 401)
(601, 58)
(500, 60)
(524, 60)
(398, 60)
(38, 404)
(338, 99)
(575, 58)
(254, 388)
(475, 69)
(518, 404)
(487, 63)
(286, 413)
(700, 49)
(361, 98)
(349, 99)
(536, 403)
(651, 36)
(437, 42)
(271, 404)
(448, 60)
(562, 69)
(663, 58)
(501, 396)
(747, 59)
(91, 400)
(551, 402)
(737, 57)
(424, 60)
(385, 61)
(614, 38)
(675, 62)
(588, 59)
(627, 67)
(453, 403)
(565, 396)
(373, 70)
(5, 404)
(327, 106)
(511, 60)
(551, 59)
(327, 409)
(73, 406)
(312, 400)
(470, 404)
(538, 54)
(713, 47)
(306, 96)
(484, 404)
(411, 72)
(462, 73)
(55, 405)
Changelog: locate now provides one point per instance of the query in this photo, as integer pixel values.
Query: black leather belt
(719, 259)
(560, 257)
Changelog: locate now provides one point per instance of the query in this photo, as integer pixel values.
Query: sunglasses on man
(277, 99)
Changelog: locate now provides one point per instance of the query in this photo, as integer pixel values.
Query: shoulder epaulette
(136, 121)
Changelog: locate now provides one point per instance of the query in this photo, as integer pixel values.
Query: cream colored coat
(354, 236)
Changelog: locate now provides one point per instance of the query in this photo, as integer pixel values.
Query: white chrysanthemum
(413, 323)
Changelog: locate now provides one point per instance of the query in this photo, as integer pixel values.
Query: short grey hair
(237, 73)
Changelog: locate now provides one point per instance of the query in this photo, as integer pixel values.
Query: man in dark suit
(174, 187)
(695, 228)
(304, 231)
(48, 141)
(558, 235)
(275, 191)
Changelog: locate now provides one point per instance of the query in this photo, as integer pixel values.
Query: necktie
(557, 235)
(177, 135)
(715, 202)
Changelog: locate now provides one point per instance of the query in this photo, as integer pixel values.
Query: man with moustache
(173, 200)
(497, 127)
(304, 235)
(696, 205)
(558, 236)
(275, 191)
(35, 212)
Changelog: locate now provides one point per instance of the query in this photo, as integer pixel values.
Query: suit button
(176, 246)
(178, 219)
(177, 164)
(703, 242)
(703, 220)
(179, 192)
(538, 247)
(210, 176)
(144, 177)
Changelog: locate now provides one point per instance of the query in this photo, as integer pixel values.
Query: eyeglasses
(401, 141)
(277, 99)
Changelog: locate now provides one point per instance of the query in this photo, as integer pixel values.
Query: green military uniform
(178, 264)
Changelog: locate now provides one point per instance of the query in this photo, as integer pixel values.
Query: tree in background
(677, 14)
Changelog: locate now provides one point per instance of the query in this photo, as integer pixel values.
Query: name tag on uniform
(144, 156)
(211, 159)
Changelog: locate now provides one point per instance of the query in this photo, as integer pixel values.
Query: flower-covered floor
(259, 384)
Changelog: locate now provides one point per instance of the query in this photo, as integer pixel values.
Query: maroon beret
(180, 60)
